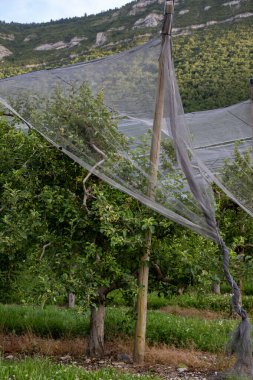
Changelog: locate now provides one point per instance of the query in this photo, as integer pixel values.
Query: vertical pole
(251, 88)
(71, 300)
(140, 329)
(251, 106)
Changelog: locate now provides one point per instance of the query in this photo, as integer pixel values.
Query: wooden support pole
(140, 329)
(251, 106)
(71, 300)
(251, 88)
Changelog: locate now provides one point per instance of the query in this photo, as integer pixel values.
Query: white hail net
(209, 141)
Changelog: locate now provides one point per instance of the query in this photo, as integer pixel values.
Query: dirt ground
(192, 312)
(167, 362)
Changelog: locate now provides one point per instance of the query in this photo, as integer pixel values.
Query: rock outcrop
(55, 46)
(30, 37)
(115, 14)
(9, 37)
(188, 29)
(139, 6)
(183, 12)
(101, 38)
(116, 29)
(4, 52)
(234, 2)
(150, 21)
(75, 41)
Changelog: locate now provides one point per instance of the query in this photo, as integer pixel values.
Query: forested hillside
(212, 45)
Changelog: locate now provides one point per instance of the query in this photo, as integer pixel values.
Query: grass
(50, 322)
(162, 328)
(219, 303)
(38, 369)
(187, 332)
(212, 302)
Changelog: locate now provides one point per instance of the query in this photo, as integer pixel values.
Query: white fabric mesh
(203, 143)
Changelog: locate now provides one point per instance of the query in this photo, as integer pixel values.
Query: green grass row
(50, 322)
(38, 369)
(219, 303)
(161, 328)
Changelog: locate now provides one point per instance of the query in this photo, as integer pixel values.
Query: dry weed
(30, 344)
(192, 312)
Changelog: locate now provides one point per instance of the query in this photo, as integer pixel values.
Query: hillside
(112, 30)
(212, 43)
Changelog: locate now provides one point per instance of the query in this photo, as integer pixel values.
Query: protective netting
(129, 82)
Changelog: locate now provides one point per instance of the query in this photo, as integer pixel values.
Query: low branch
(104, 290)
(25, 163)
(7, 114)
(248, 245)
(44, 248)
(159, 275)
(86, 191)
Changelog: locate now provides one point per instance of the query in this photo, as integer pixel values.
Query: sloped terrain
(95, 35)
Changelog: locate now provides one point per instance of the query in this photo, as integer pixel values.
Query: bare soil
(166, 362)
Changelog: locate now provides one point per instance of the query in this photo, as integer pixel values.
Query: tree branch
(159, 275)
(44, 248)
(86, 191)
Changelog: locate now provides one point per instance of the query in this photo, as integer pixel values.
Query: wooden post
(71, 300)
(140, 329)
(251, 88)
(251, 106)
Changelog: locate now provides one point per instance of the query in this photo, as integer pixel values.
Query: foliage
(41, 221)
(237, 174)
(213, 68)
(50, 243)
(81, 118)
(235, 223)
(59, 246)
(44, 369)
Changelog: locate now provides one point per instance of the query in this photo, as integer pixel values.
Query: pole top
(169, 7)
(168, 12)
